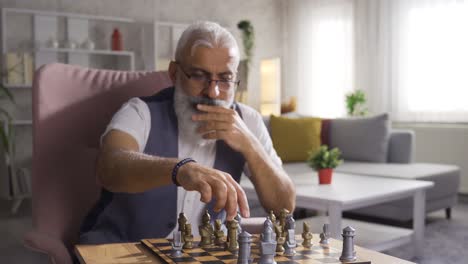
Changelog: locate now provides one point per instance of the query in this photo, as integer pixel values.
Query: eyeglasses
(202, 80)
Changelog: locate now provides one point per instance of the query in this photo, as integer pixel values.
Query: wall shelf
(86, 51)
(17, 86)
(19, 122)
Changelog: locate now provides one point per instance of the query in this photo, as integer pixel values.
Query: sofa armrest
(401, 146)
(49, 245)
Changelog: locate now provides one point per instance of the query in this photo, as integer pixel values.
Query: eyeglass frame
(209, 80)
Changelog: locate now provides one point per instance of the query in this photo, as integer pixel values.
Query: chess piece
(267, 244)
(272, 217)
(232, 236)
(282, 220)
(188, 236)
(206, 231)
(182, 220)
(279, 239)
(219, 234)
(177, 244)
(290, 244)
(268, 223)
(245, 239)
(306, 235)
(348, 253)
(324, 236)
(238, 218)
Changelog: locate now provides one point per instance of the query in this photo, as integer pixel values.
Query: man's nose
(212, 89)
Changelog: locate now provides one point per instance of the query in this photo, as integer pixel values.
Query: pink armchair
(71, 108)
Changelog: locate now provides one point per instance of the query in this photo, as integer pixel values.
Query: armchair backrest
(71, 107)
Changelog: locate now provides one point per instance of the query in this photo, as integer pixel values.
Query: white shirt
(134, 118)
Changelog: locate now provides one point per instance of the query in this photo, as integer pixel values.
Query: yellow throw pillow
(293, 138)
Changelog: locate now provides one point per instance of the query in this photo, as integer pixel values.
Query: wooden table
(349, 191)
(136, 253)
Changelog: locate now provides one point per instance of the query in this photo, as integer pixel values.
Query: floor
(446, 240)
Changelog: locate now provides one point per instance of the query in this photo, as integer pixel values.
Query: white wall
(265, 16)
(442, 143)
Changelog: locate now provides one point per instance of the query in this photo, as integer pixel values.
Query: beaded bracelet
(177, 167)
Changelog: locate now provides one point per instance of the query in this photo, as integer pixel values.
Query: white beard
(185, 107)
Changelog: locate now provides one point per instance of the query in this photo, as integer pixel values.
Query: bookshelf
(45, 37)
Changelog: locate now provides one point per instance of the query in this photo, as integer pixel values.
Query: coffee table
(349, 191)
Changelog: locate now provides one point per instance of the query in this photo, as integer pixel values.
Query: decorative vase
(325, 176)
(116, 40)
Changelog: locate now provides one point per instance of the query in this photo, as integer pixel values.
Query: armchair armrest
(48, 245)
(401, 146)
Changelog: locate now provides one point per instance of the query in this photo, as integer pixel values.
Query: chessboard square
(206, 258)
(221, 253)
(299, 257)
(328, 260)
(307, 261)
(226, 257)
(334, 255)
(213, 262)
(305, 251)
(287, 262)
(281, 258)
(194, 250)
(230, 261)
(198, 254)
(215, 249)
(164, 247)
(183, 259)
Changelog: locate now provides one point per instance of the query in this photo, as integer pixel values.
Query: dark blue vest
(124, 217)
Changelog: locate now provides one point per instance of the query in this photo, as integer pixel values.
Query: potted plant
(324, 161)
(248, 40)
(355, 103)
(6, 127)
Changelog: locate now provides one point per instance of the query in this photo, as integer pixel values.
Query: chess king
(185, 147)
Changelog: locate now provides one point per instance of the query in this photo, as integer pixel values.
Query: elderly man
(184, 147)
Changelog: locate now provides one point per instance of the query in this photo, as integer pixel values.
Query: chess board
(218, 255)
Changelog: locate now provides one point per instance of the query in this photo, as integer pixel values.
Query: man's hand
(221, 123)
(217, 185)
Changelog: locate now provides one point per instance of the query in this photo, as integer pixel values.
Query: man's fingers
(205, 192)
(214, 109)
(209, 126)
(220, 192)
(216, 134)
(231, 203)
(241, 199)
(214, 117)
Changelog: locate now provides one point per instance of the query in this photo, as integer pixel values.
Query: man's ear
(172, 71)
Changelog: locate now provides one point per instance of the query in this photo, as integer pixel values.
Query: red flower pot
(325, 176)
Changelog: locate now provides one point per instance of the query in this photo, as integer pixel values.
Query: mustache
(195, 100)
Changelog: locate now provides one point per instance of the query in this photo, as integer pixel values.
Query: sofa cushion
(361, 139)
(293, 138)
(446, 178)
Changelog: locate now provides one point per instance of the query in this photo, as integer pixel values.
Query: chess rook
(245, 240)
(348, 253)
(177, 244)
(267, 244)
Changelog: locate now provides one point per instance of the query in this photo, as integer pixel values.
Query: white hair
(208, 34)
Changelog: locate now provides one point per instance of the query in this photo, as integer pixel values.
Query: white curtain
(412, 58)
(320, 55)
(430, 61)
